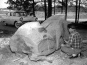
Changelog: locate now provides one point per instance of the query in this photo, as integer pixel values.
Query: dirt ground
(57, 58)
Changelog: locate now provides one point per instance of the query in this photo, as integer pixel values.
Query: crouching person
(72, 46)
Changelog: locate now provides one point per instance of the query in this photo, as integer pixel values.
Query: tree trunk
(49, 8)
(76, 16)
(33, 9)
(45, 9)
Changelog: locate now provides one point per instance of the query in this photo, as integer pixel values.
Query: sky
(2, 4)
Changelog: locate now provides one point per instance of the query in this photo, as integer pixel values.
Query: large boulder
(39, 40)
(56, 26)
(32, 39)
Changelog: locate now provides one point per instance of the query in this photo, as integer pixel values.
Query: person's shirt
(75, 40)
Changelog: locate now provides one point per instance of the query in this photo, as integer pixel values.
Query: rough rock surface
(57, 27)
(32, 39)
(35, 39)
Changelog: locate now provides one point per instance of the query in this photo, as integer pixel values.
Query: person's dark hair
(71, 26)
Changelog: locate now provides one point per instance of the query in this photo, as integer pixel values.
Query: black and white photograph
(43, 32)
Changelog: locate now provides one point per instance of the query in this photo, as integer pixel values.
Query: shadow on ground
(5, 33)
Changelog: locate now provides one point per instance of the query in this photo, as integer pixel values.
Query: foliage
(25, 5)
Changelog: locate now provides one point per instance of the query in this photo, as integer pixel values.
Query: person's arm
(66, 43)
(69, 41)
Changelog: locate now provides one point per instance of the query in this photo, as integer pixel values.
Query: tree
(49, 8)
(25, 5)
